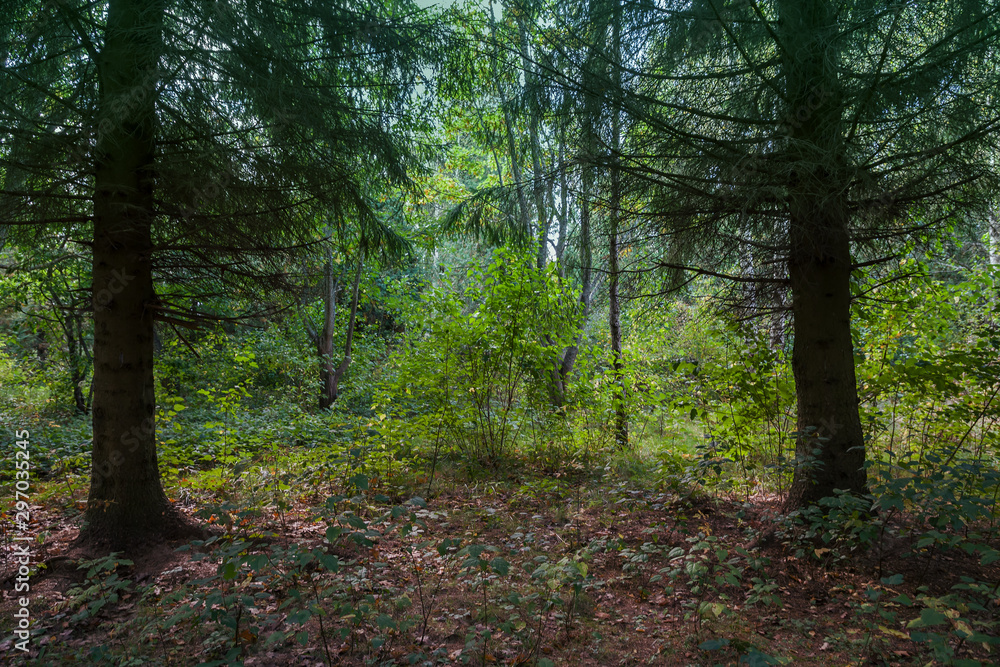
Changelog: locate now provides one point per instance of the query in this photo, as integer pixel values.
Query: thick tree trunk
(830, 446)
(127, 505)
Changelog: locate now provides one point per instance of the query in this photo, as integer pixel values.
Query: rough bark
(126, 505)
(830, 446)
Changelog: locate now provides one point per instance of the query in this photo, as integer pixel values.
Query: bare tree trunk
(538, 182)
(324, 341)
(79, 362)
(614, 272)
(993, 237)
(561, 374)
(563, 211)
(515, 165)
(70, 316)
(565, 369)
(588, 152)
(338, 374)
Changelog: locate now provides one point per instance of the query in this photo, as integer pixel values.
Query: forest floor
(540, 571)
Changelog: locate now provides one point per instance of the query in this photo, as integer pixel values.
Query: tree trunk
(614, 215)
(324, 342)
(590, 116)
(338, 374)
(830, 445)
(127, 505)
(79, 364)
(538, 181)
(993, 237)
(508, 121)
(563, 210)
(614, 322)
(561, 379)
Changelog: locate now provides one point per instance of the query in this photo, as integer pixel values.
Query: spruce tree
(191, 141)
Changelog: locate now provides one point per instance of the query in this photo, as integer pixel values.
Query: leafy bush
(475, 361)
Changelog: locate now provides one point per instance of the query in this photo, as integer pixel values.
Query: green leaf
(448, 543)
(500, 566)
(473, 550)
(256, 562)
(299, 616)
(755, 658)
(928, 617)
(330, 562)
(713, 644)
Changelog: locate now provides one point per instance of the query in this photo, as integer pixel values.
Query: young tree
(49, 286)
(551, 136)
(179, 139)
